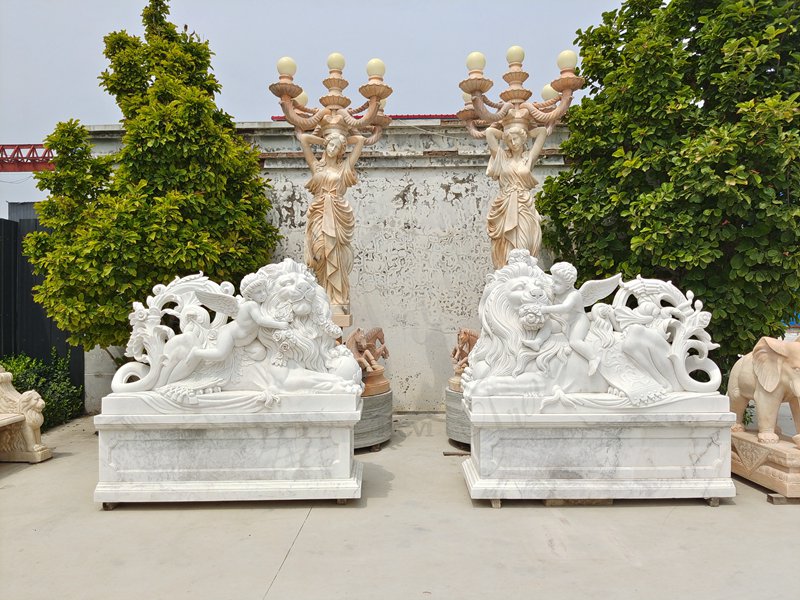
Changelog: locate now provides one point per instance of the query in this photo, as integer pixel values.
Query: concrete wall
(421, 248)
(97, 374)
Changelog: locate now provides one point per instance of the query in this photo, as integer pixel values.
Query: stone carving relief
(277, 337)
(368, 347)
(465, 342)
(536, 339)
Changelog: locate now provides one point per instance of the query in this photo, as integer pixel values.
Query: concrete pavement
(414, 534)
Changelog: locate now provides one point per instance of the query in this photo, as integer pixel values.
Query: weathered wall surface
(421, 248)
(422, 252)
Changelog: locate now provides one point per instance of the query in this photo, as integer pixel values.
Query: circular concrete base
(375, 426)
(457, 424)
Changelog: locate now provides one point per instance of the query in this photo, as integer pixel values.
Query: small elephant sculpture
(769, 375)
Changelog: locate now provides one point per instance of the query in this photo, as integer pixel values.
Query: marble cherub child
(246, 320)
(570, 303)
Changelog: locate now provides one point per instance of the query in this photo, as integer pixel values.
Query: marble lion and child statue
(199, 347)
(244, 351)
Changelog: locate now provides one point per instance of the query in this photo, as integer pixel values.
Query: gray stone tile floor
(415, 533)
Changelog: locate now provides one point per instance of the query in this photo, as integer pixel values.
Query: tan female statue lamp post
(513, 220)
(330, 221)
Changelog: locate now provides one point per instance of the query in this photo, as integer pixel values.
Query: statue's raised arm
(357, 141)
(307, 143)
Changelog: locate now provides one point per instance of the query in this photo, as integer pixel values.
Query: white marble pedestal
(299, 449)
(583, 451)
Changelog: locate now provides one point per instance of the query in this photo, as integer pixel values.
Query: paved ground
(414, 534)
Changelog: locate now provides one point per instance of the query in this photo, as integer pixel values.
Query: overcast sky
(51, 52)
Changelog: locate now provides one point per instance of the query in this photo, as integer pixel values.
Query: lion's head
(31, 405)
(506, 301)
(294, 295)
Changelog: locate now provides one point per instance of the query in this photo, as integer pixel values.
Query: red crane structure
(16, 158)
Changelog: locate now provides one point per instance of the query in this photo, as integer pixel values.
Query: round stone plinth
(457, 424)
(375, 382)
(375, 426)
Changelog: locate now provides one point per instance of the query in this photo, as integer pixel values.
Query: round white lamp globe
(515, 54)
(548, 93)
(376, 68)
(476, 61)
(567, 60)
(336, 62)
(286, 66)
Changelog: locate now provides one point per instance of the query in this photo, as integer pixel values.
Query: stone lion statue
(307, 348)
(21, 441)
(509, 294)
(31, 405)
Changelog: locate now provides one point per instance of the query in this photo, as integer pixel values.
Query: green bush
(63, 401)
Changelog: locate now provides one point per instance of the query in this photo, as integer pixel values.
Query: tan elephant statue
(769, 375)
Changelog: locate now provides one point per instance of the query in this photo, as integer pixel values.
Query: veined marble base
(775, 466)
(299, 449)
(524, 450)
(220, 491)
(375, 426)
(457, 422)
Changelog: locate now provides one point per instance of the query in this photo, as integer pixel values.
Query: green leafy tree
(686, 158)
(183, 193)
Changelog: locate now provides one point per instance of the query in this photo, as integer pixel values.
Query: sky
(51, 53)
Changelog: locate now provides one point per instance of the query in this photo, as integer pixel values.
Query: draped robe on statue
(329, 231)
(513, 219)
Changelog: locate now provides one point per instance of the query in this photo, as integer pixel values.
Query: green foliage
(63, 401)
(182, 195)
(686, 159)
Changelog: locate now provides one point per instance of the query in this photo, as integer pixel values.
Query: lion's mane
(500, 341)
(311, 337)
(31, 405)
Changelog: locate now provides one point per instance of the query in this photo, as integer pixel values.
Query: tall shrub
(686, 158)
(182, 195)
